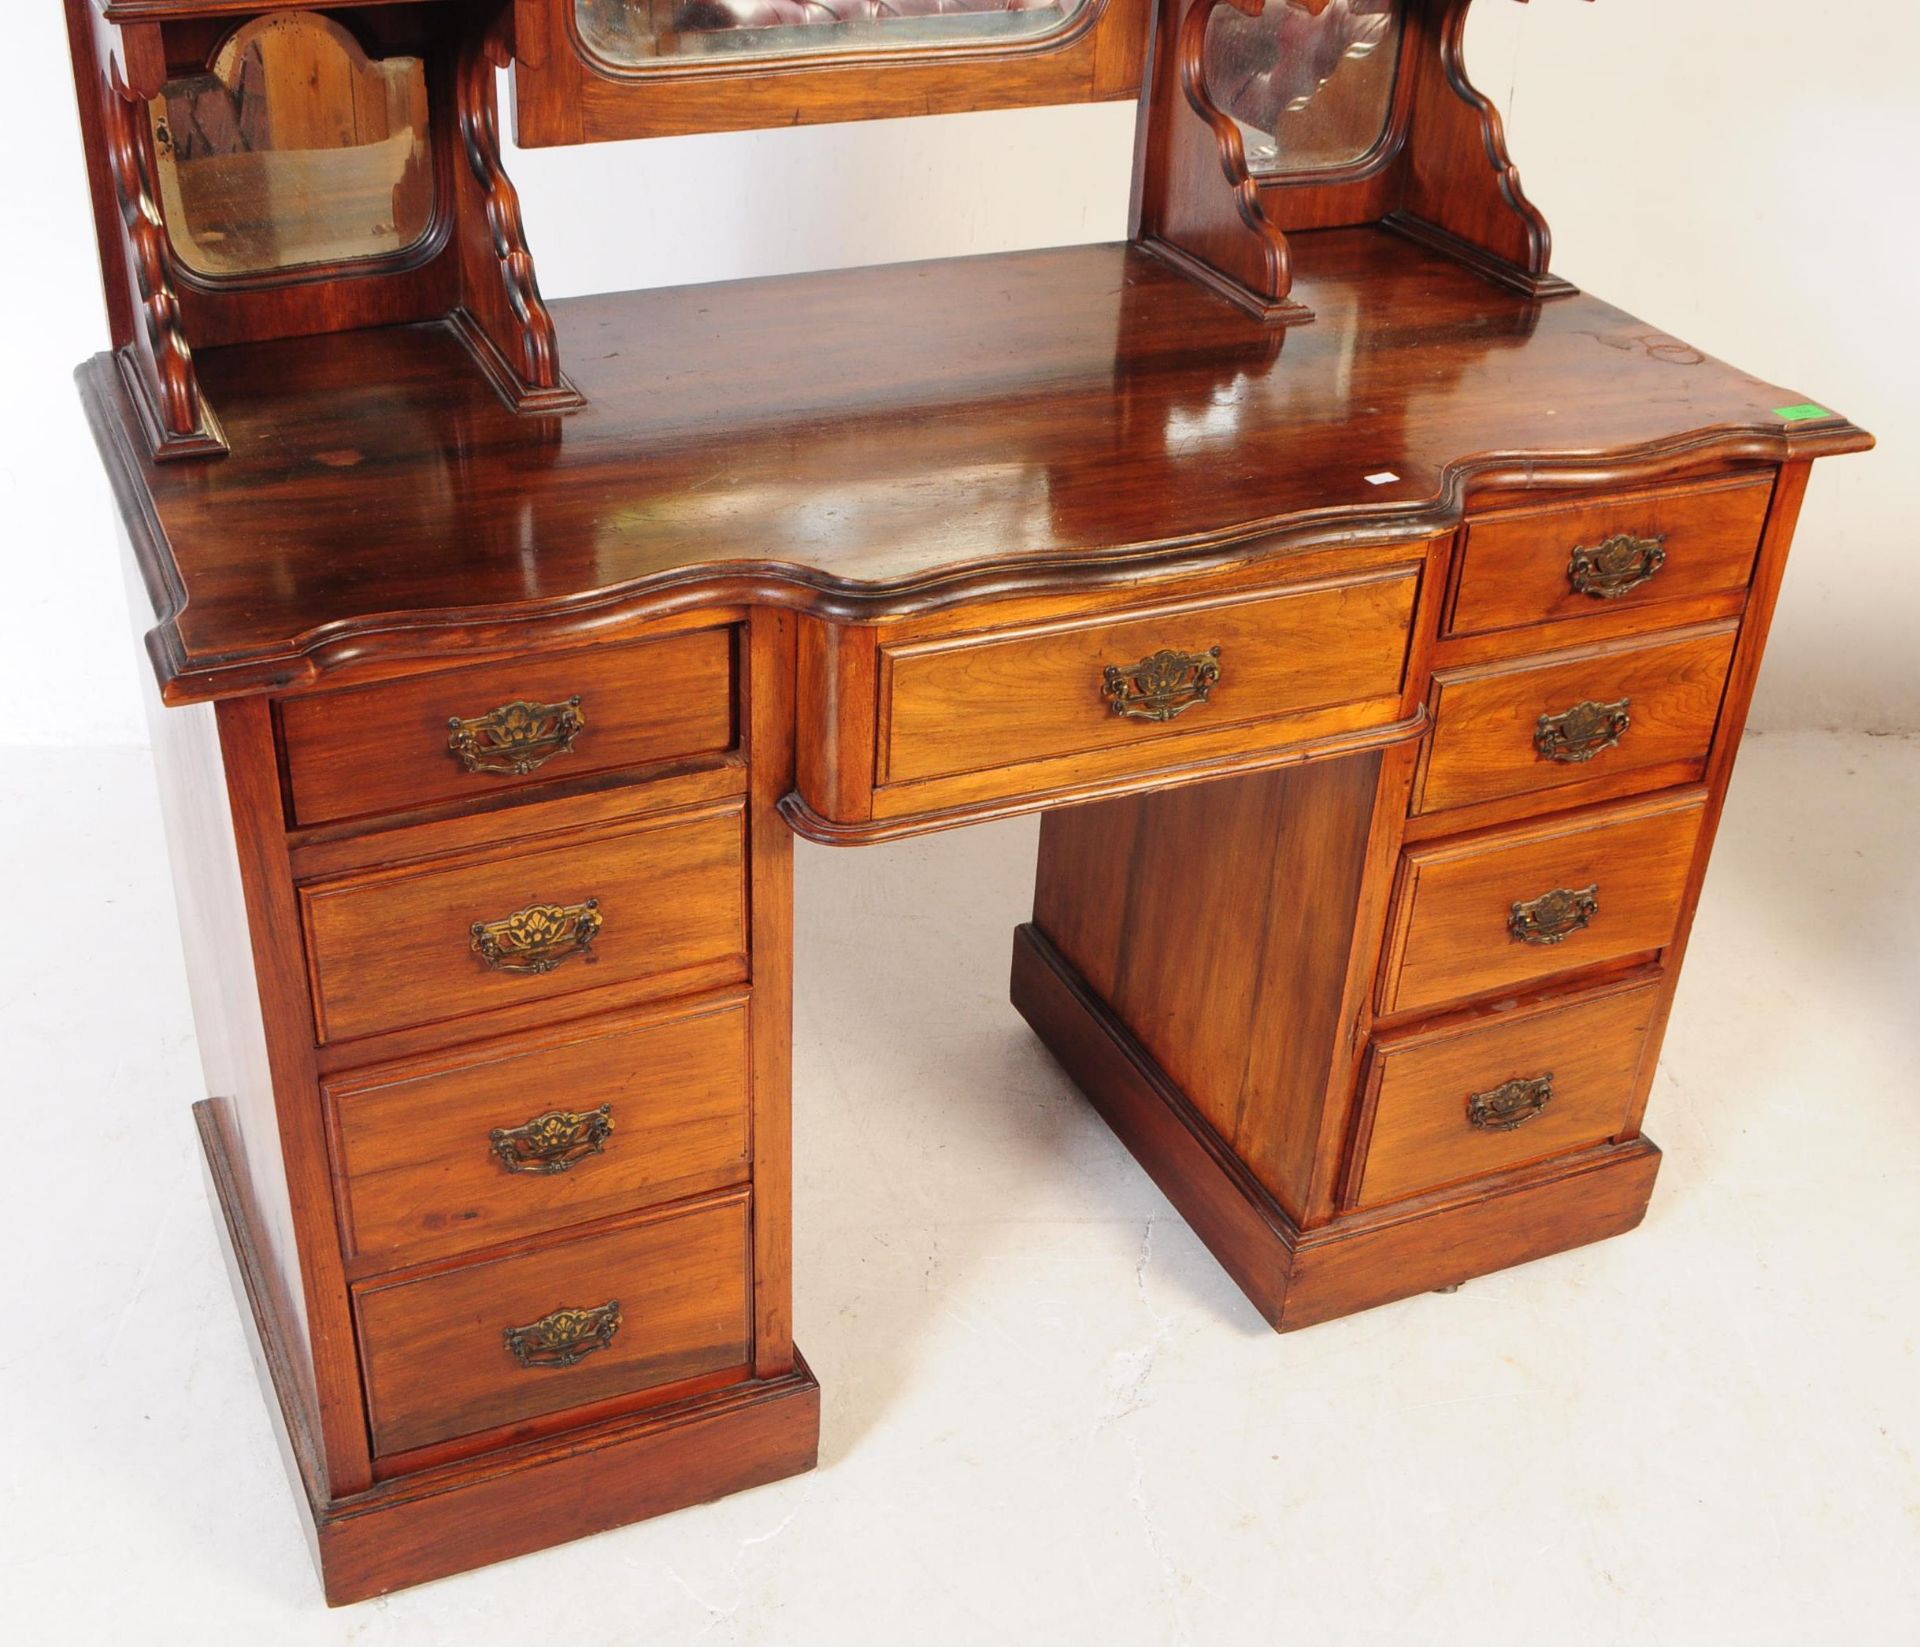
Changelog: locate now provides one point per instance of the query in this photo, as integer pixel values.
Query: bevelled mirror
(1309, 82)
(294, 149)
(633, 33)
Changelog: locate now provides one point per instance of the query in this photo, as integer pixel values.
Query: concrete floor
(1049, 1417)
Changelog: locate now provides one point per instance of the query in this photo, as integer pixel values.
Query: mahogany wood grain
(1016, 420)
(849, 674)
(420, 1178)
(1486, 718)
(1514, 568)
(435, 1349)
(385, 748)
(598, 801)
(1769, 573)
(1216, 922)
(1195, 203)
(392, 948)
(975, 704)
(1462, 189)
(1420, 1085)
(1450, 937)
(770, 667)
(1298, 1278)
(525, 1497)
(253, 799)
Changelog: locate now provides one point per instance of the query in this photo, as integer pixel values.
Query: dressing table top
(873, 440)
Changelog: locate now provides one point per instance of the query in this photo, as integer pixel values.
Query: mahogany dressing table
(1372, 615)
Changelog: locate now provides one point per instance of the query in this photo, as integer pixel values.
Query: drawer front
(1459, 1103)
(666, 900)
(1545, 723)
(437, 1163)
(984, 702)
(1508, 909)
(470, 1349)
(1608, 554)
(393, 747)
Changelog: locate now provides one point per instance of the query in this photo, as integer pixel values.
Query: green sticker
(1801, 414)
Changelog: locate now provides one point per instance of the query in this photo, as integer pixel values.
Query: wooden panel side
(770, 697)
(279, 962)
(1218, 922)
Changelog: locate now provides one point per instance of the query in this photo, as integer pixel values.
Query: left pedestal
(491, 972)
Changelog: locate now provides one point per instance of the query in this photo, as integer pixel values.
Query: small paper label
(1385, 477)
(1801, 414)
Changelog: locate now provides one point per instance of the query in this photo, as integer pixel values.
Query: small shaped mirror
(294, 149)
(1309, 82)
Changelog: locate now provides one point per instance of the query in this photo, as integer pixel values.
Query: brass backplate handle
(1576, 735)
(1162, 686)
(553, 1142)
(517, 738)
(1554, 916)
(1511, 1105)
(566, 1337)
(537, 939)
(1609, 570)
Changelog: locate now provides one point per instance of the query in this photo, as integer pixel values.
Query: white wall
(1731, 170)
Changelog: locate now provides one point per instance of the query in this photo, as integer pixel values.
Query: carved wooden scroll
(1438, 173)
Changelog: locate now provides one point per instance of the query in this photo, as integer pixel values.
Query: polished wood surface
(435, 1350)
(1298, 1277)
(1515, 565)
(974, 703)
(385, 748)
(393, 948)
(1070, 417)
(1487, 718)
(1373, 617)
(420, 1176)
(1212, 920)
(1451, 937)
(1420, 1135)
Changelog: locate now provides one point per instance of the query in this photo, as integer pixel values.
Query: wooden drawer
(437, 1160)
(1549, 722)
(1465, 1100)
(1608, 554)
(980, 703)
(389, 748)
(1586, 889)
(438, 1356)
(392, 948)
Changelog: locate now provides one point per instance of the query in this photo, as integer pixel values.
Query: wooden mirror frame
(473, 271)
(1441, 175)
(564, 94)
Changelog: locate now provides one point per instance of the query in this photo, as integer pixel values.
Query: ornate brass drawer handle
(1609, 570)
(554, 1141)
(1162, 686)
(1587, 729)
(1555, 916)
(517, 738)
(1511, 1105)
(539, 938)
(566, 1337)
